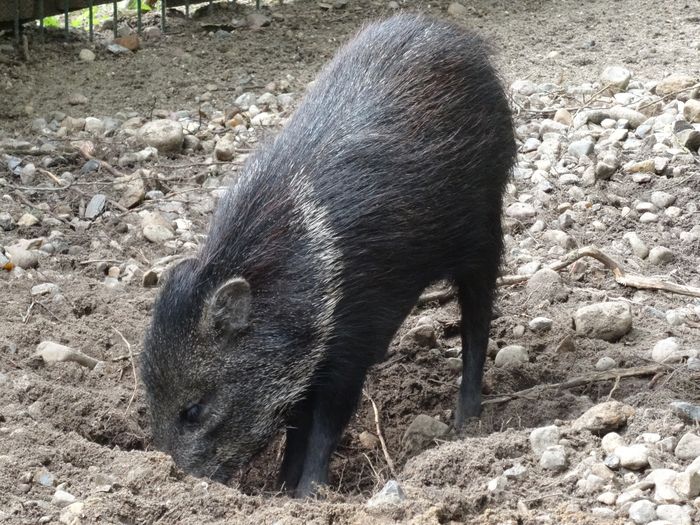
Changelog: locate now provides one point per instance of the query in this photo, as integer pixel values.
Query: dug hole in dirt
(78, 186)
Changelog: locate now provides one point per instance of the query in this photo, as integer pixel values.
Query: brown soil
(88, 428)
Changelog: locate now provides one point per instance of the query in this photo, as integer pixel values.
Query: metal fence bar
(138, 17)
(41, 20)
(65, 17)
(116, 18)
(187, 8)
(92, 30)
(162, 15)
(257, 5)
(17, 22)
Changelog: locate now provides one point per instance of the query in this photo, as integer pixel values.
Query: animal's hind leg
(475, 300)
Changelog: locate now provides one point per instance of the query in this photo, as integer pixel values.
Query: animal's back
(406, 140)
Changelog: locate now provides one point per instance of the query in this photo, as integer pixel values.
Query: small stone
(423, 431)
(7, 223)
(521, 211)
(638, 247)
(674, 514)
(689, 138)
(607, 321)
(77, 99)
(688, 446)
(86, 55)
(423, 335)
(517, 471)
(164, 135)
(605, 363)
(130, 42)
(257, 21)
(644, 166)
(667, 351)
(497, 484)
(368, 440)
(543, 437)
(562, 116)
(661, 199)
(633, 457)
(454, 363)
(674, 83)
(27, 220)
(687, 484)
(582, 147)
(134, 193)
(686, 411)
(607, 498)
(116, 49)
(512, 355)
(531, 144)
(61, 498)
(642, 511)
(616, 78)
(96, 206)
(546, 285)
(612, 462)
(611, 441)
(604, 417)
(44, 289)
(691, 111)
(94, 125)
(52, 352)
(554, 458)
(226, 147)
(72, 513)
(663, 480)
(155, 228)
(45, 478)
(540, 324)
(391, 494)
(602, 513)
(694, 364)
(648, 217)
(660, 255)
(21, 257)
(152, 33)
(456, 9)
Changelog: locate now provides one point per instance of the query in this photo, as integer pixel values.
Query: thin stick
(87, 148)
(617, 383)
(376, 474)
(51, 176)
(125, 357)
(586, 379)
(624, 279)
(387, 457)
(133, 369)
(96, 261)
(25, 317)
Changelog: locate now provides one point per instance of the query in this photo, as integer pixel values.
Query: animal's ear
(229, 307)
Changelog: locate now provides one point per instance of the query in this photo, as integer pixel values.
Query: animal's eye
(193, 413)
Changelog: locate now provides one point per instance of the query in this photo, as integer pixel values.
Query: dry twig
(594, 377)
(385, 450)
(133, 369)
(622, 278)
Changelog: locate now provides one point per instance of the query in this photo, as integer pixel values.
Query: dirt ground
(88, 429)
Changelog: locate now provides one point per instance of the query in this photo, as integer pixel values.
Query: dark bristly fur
(388, 177)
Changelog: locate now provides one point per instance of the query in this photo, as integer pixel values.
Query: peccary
(387, 178)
